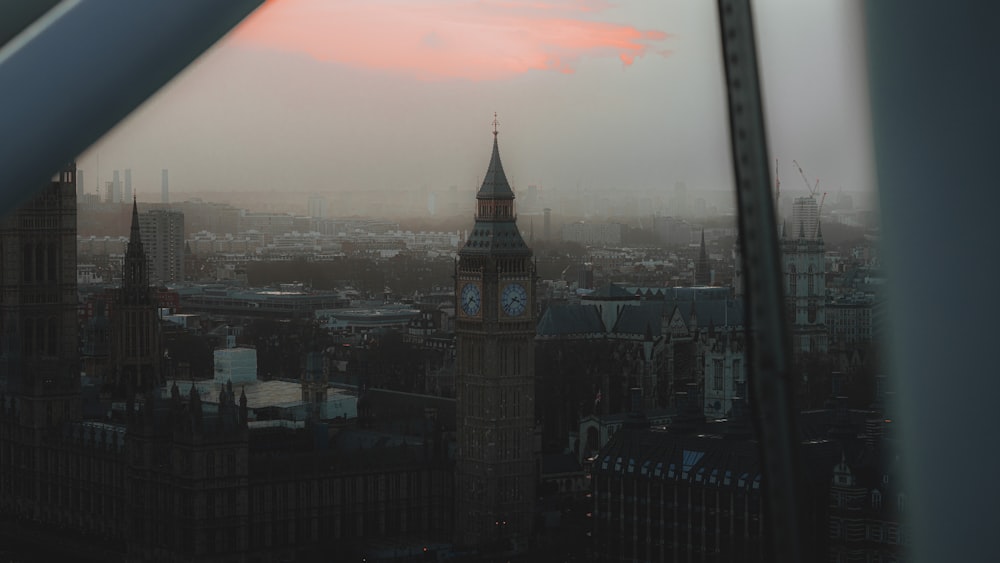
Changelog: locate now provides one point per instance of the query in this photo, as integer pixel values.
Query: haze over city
(307, 96)
(397, 281)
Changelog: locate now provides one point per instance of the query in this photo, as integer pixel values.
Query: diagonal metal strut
(761, 261)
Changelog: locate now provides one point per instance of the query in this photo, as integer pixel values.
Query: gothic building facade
(38, 352)
(693, 490)
(136, 354)
(804, 267)
(495, 330)
(182, 478)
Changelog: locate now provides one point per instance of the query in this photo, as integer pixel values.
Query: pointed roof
(568, 321)
(612, 291)
(819, 229)
(134, 234)
(135, 270)
(495, 231)
(702, 272)
(495, 185)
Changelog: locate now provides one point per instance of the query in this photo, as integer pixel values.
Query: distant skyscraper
(547, 228)
(702, 268)
(128, 184)
(164, 188)
(109, 192)
(38, 324)
(317, 206)
(116, 188)
(80, 187)
(593, 234)
(163, 240)
(494, 374)
(805, 218)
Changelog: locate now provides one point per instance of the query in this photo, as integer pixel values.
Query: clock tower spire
(495, 387)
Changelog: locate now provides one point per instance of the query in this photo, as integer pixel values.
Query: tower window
(39, 344)
(27, 337)
(52, 262)
(27, 262)
(39, 263)
(52, 338)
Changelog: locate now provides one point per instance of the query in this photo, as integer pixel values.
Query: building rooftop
(260, 394)
(565, 320)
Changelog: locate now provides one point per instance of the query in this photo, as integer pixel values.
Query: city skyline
(589, 94)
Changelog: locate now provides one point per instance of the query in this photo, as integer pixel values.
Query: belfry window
(27, 262)
(40, 263)
(52, 263)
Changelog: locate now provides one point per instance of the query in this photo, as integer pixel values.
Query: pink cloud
(443, 39)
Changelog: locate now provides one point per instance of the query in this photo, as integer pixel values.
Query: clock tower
(495, 387)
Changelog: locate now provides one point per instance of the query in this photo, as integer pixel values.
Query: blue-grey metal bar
(936, 126)
(16, 15)
(83, 66)
(768, 350)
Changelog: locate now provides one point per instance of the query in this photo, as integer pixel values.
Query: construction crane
(819, 213)
(813, 188)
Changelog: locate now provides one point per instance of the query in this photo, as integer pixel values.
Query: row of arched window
(496, 208)
(39, 262)
(793, 280)
(39, 337)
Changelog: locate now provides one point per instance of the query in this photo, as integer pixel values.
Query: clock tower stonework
(495, 387)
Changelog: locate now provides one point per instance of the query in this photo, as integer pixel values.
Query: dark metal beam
(82, 67)
(770, 394)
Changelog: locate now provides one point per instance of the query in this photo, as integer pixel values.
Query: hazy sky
(315, 95)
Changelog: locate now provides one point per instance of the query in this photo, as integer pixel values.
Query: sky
(321, 96)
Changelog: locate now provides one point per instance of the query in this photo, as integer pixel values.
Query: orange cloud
(442, 39)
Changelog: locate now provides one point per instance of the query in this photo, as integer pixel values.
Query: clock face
(470, 300)
(514, 300)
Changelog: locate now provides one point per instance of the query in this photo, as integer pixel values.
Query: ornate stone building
(182, 478)
(495, 330)
(136, 355)
(804, 266)
(693, 491)
(38, 348)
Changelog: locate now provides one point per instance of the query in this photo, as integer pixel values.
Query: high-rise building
(38, 308)
(116, 188)
(163, 238)
(593, 234)
(702, 268)
(317, 206)
(164, 188)
(135, 354)
(495, 332)
(128, 184)
(805, 218)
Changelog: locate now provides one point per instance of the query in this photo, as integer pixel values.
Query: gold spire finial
(495, 123)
